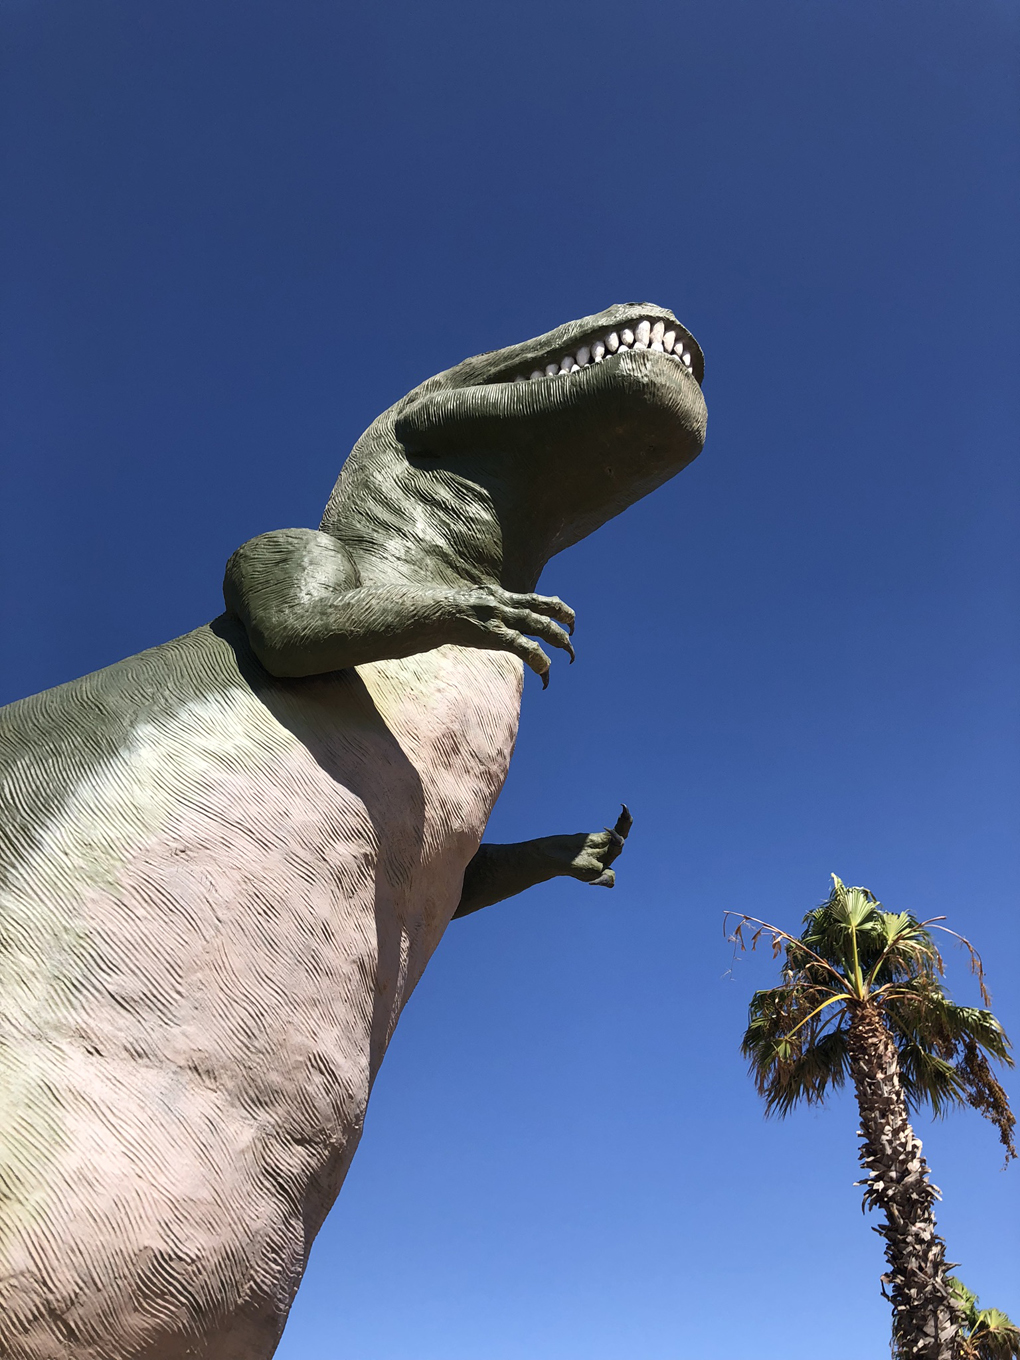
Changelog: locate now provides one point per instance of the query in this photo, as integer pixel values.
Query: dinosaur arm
(501, 871)
(300, 597)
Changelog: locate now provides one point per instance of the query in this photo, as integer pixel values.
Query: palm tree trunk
(926, 1322)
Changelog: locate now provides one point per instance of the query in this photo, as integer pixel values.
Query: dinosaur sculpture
(227, 860)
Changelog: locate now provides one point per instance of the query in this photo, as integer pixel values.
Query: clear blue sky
(234, 232)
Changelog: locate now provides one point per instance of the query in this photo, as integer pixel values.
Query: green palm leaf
(988, 1333)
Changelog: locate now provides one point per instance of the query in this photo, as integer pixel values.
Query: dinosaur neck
(410, 522)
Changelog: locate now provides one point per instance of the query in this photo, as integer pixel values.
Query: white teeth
(645, 335)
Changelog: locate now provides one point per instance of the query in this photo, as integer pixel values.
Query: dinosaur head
(546, 440)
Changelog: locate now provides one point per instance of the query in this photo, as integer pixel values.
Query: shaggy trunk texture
(926, 1321)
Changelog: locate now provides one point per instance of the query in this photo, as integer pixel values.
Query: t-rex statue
(227, 860)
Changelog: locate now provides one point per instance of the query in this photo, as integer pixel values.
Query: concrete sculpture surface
(226, 861)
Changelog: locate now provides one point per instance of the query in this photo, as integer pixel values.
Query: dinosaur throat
(661, 336)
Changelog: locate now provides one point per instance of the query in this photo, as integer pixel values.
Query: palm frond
(930, 1080)
(869, 945)
(965, 1299)
(987, 1333)
(777, 1014)
(980, 1027)
(848, 920)
(907, 951)
(935, 1038)
(986, 1095)
(994, 1336)
(977, 966)
(781, 940)
(788, 1073)
(918, 1011)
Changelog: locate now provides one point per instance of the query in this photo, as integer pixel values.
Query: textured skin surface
(202, 979)
(226, 862)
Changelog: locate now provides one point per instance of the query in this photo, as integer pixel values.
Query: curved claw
(614, 836)
(606, 879)
(624, 822)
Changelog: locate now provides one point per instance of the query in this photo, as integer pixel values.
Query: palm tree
(861, 996)
(986, 1334)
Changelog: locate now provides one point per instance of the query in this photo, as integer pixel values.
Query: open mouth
(655, 334)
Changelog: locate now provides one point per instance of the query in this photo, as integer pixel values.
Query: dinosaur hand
(489, 616)
(588, 857)
(615, 836)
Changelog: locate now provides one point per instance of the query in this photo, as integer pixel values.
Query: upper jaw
(582, 343)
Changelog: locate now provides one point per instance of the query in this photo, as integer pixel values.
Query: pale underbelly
(208, 948)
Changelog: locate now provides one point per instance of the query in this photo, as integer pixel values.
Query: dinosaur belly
(209, 939)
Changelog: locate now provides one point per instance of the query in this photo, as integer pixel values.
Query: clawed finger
(614, 846)
(616, 836)
(550, 605)
(529, 652)
(606, 879)
(527, 621)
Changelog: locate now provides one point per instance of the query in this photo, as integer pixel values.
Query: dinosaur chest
(443, 726)
(264, 871)
(453, 714)
(374, 784)
(381, 785)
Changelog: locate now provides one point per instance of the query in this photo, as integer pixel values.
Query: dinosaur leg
(501, 871)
